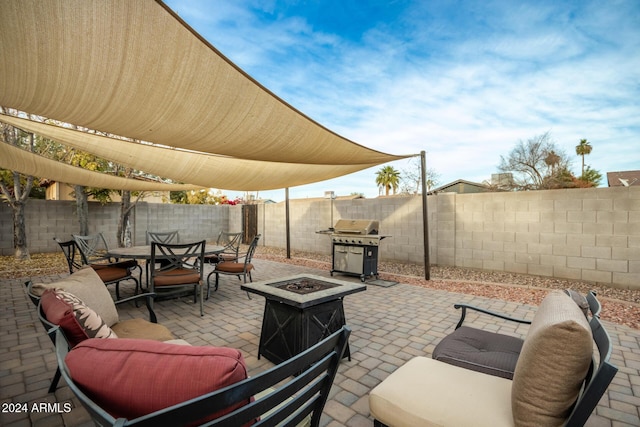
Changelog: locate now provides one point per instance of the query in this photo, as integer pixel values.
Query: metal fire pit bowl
(304, 286)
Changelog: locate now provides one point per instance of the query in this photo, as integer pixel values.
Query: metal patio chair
(109, 272)
(182, 266)
(95, 250)
(241, 267)
(231, 244)
(172, 236)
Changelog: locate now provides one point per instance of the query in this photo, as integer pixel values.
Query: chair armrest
(464, 308)
(149, 297)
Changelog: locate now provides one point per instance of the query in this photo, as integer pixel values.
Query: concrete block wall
(584, 234)
(45, 220)
(193, 222)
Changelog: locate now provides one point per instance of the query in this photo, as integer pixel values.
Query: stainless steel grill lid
(356, 226)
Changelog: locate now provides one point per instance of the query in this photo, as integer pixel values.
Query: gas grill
(355, 247)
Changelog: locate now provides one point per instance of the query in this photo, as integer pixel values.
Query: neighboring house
(623, 179)
(61, 191)
(461, 186)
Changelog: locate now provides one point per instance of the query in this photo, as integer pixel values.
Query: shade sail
(28, 163)
(133, 68)
(206, 170)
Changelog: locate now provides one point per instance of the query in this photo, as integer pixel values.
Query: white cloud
(465, 83)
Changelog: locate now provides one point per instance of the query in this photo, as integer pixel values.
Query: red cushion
(61, 313)
(130, 378)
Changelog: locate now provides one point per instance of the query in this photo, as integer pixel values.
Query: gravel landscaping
(620, 306)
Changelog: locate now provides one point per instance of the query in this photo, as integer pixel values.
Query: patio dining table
(143, 252)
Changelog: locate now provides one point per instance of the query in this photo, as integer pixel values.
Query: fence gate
(249, 222)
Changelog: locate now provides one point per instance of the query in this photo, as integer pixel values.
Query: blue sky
(463, 80)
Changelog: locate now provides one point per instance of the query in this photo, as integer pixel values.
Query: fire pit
(300, 311)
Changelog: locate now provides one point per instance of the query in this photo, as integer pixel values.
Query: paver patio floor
(390, 325)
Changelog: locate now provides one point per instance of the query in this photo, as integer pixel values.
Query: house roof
(623, 178)
(460, 183)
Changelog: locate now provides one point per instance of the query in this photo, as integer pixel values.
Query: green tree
(388, 178)
(591, 176)
(583, 149)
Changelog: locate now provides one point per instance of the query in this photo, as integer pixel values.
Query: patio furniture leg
(54, 381)
(201, 298)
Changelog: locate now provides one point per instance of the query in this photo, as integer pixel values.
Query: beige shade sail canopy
(205, 170)
(28, 163)
(135, 69)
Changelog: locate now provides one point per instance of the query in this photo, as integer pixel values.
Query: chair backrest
(301, 384)
(594, 305)
(35, 299)
(230, 241)
(75, 258)
(179, 255)
(163, 236)
(252, 249)
(599, 377)
(92, 247)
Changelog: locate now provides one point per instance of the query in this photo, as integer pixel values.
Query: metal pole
(425, 221)
(288, 231)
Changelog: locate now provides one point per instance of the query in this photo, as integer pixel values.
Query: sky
(465, 81)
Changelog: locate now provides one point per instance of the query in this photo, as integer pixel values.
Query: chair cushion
(137, 377)
(178, 276)
(480, 350)
(142, 329)
(89, 288)
(427, 392)
(108, 273)
(78, 321)
(553, 363)
(233, 267)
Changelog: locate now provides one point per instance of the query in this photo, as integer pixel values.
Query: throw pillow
(61, 313)
(553, 363)
(89, 320)
(138, 377)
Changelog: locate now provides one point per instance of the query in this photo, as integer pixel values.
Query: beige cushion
(87, 286)
(553, 363)
(427, 392)
(142, 329)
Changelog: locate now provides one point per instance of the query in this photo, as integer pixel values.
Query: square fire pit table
(299, 312)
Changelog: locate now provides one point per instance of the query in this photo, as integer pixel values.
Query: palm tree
(388, 178)
(583, 149)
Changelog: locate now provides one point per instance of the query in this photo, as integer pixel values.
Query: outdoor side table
(299, 312)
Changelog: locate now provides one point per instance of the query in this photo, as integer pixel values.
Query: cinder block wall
(45, 220)
(586, 234)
